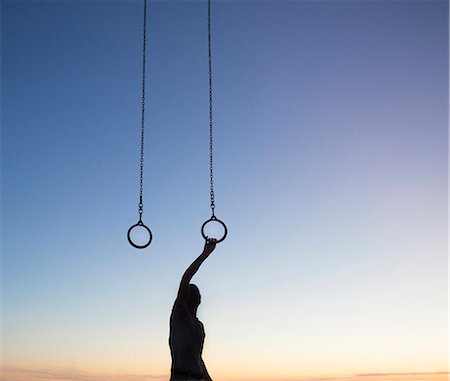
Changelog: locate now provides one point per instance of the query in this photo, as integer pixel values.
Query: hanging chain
(211, 168)
(144, 56)
(211, 162)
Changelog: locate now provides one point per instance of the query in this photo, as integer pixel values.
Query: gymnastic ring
(141, 224)
(214, 218)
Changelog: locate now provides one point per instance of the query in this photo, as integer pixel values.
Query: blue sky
(331, 150)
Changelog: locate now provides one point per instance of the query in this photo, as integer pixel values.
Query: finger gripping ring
(150, 236)
(215, 220)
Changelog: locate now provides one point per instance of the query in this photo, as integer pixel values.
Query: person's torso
(186, 340)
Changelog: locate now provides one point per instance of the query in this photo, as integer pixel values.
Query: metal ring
(140, 223)
(213, 218)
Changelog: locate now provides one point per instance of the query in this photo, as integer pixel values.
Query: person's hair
(194, 294)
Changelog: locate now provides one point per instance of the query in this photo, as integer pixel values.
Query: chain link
(211, 162)
(144, 58)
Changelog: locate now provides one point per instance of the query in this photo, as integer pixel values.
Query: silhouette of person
(187, 334)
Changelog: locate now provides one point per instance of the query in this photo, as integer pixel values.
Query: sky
(331, 168)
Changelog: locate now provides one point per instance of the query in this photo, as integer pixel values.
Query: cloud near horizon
(402, 374)
(24, 374)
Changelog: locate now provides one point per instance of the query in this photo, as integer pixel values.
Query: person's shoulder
(179, 308)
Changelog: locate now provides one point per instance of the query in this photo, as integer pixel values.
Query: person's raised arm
(192, 269)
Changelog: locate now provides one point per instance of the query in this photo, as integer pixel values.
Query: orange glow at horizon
(64, 374)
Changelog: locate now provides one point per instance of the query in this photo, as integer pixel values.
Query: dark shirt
(186, 339)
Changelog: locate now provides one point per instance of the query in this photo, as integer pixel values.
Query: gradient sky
(331, 157)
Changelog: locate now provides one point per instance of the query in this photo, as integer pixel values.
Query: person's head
(194, 297)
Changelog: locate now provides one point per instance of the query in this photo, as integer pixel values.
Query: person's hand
(210, 245)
